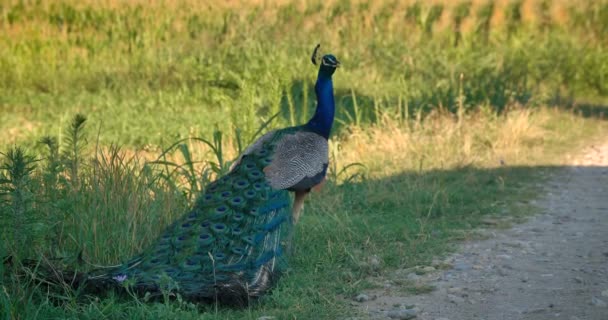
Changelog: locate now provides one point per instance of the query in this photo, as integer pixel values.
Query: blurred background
(148, 72)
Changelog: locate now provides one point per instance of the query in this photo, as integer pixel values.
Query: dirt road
(554, 266)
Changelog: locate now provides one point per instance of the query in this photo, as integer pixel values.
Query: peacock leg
(320, 185)
(298, 204)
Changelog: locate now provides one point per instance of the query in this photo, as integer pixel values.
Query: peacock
(233, 244)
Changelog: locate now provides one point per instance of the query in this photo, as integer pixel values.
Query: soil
(553, 266)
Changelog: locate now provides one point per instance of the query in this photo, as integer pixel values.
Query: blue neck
(323, 119)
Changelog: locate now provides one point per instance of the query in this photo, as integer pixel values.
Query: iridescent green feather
(230, 246)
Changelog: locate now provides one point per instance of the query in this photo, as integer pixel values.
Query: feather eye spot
(154, 261)
(205, 224)
(191, 262)
(186, 225)
(205, 239)
(255, 175)
(237, 201)
(238, 250)
(236, 231)
(248, 239)
(250, 166)
(181, 238)
(219, 228)
(226, 194)
(249, 194)
(219, 256)
(238, 216)
(240, 184)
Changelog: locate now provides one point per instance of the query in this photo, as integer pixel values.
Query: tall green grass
(207, 66)
(422, 186)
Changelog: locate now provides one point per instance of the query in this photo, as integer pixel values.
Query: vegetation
(443, 119)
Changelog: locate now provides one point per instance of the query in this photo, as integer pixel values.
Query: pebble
(362, 297)
(461, 266)
(454, 290)
(375, 263)
(535, 310)
(413, 276)
(578, 279)
(605, 293)
(402, 314)
(428, 269)
(436, 263)
(598, 303)
(455, 299)
(502, 272)
(490, 221)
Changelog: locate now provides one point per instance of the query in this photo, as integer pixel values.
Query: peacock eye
(238, 250)
(237, 200)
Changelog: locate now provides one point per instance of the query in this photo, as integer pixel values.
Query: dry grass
(482, 139)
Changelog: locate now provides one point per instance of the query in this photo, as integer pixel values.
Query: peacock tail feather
(230, 247)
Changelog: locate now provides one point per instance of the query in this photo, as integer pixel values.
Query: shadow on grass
(591, 110)
(404, 220)
(410, 217)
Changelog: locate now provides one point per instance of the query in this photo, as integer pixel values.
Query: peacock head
(328, 65)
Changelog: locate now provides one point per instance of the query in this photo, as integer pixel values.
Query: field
(447, 114)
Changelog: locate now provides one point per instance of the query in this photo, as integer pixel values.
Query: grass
(453, 112)
(123, 63)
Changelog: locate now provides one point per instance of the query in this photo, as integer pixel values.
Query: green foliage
(460, 13)
(204, 68)
(17, 198)
(484, 18)
(513, 16)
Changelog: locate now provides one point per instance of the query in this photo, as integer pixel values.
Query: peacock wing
(300, 161)
(263, 142)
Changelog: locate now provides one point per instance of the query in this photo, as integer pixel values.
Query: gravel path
(554, 266)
